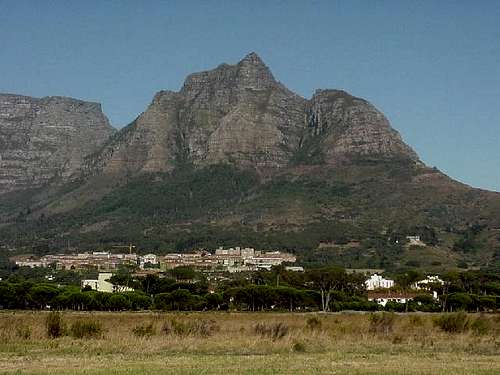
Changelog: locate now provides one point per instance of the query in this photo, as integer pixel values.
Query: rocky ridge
(240, 114)
(46, 139)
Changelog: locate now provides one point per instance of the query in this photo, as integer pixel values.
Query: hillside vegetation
(356, 216)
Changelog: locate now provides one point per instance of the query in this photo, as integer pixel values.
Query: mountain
(45, 140)
(236, 158)
(239, 114)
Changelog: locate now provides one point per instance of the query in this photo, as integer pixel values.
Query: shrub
(144, 330)
(416, 320)
(397, 339)
(395, 306)
(274, 331)
(86, 329)
(203, 328)
(453, 322)
(382, 323)
(481, 326)
(23, 332)
(298, 347)
(54, 325)
(313, 323)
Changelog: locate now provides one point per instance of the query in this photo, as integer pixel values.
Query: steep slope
(340, 127)
(234, 113)
(239, 114)
(46, 139)
(235, 158)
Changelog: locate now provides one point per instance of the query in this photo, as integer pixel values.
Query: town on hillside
(235, 259)
(231, 260)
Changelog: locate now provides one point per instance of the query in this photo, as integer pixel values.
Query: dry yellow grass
(342, 344)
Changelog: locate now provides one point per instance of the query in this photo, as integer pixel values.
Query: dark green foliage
(470, 240)
(394, 306)
(86, 329)
(7, 296)
(138, 300)
(309, 153)
(454, 322)
(355, 304)
(183, 273)
(274, 290)
(459, 301)
(118, 302)
(183, 194)
(424, 302)
(54, 325)
(42, 294)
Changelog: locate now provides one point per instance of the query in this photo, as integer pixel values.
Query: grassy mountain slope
(350, 215)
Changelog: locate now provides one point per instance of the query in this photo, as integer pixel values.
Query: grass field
(246, 343)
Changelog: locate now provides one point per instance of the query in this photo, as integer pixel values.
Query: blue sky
(433, 67)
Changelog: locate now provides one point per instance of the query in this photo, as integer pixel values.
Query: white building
(148, 258)
(383, 297)
(427, 282)
(415, 241)
(103, 285)
(294, 268)
(378, 282)
(30, 263)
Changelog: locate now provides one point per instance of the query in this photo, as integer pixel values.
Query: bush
(313, 323)
(144, 330)
(481, 326)
(395, 306)
(203, 328)
(453, 322)
(382, 323)
(23, 332)
(298, 347)
(274, 331)
(86, 329)
(416, 320)
(54, 325)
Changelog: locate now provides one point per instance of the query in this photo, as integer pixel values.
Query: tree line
(183, 289)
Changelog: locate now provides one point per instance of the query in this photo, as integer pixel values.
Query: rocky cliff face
(46, 139)
(240, 114)
(346, 127)
(234, 113)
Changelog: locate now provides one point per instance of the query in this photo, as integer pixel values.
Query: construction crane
(129, 247)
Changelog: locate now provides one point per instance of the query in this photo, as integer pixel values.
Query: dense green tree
(118, 302)
(7, 296)
(41, 295)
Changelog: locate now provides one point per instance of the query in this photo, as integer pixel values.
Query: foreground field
(257, 343)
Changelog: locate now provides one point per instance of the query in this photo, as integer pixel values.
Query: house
(378, 282)
(428, 283)
(151, 259)
(294, 268)
(382, 297)
(103, 285)
(415, 241)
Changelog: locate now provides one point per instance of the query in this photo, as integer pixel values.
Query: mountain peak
(252, 58)
(253, 73)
